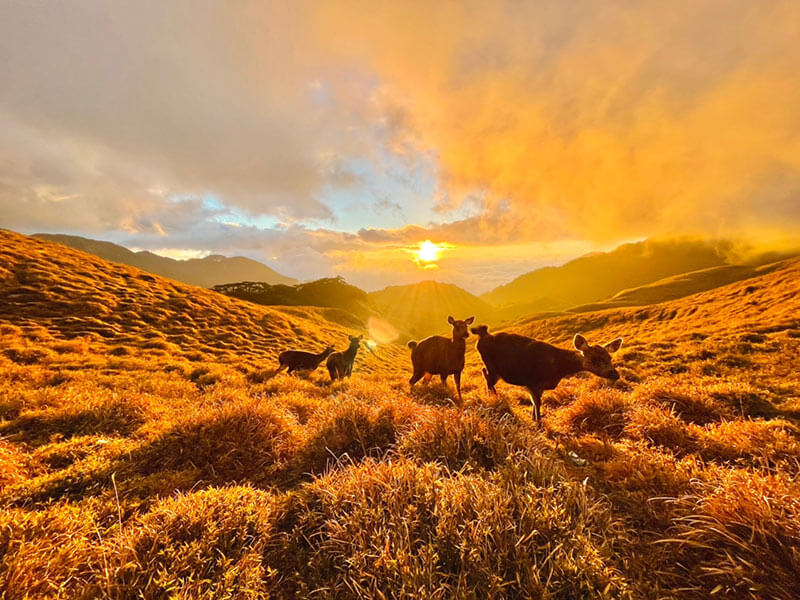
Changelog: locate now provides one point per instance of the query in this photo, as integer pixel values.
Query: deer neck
(572, 363)
(458, 344)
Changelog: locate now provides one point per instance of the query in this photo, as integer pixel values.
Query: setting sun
(428, 252)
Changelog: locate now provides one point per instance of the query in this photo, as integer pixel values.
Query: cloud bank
(328, 137)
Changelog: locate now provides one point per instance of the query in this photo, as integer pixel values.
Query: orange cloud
(600, 119)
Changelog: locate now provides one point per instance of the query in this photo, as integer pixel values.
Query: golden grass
(148, 450)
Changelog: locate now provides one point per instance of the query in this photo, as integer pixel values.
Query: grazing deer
(437, 355)
(298, 360)
(340, 364)
(538, 366)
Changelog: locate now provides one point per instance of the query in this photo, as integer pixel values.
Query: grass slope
(600, 275)
(680, 286)
(422, 308)
(145, 451)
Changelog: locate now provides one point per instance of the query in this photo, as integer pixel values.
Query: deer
(299, 360)
(438, 355)
(340, 364)
(539, 366)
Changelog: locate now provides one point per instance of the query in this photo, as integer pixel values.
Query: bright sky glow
(428, 252)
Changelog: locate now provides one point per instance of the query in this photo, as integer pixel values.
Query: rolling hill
(68, 293)
(601, 275)
(422, 308)
(759, 305)
(205, 272)
(679, 286)
(147, 449)
(331, 292)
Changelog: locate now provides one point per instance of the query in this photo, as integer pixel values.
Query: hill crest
(422, 308)
(205, 272)
(597, 276)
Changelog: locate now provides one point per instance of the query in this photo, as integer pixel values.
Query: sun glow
(428, 252)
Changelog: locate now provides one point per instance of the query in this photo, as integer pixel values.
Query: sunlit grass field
(146, 451)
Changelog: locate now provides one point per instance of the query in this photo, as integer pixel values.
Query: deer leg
(491, 380)
(536, 410)
(415, 378)
(457, 377)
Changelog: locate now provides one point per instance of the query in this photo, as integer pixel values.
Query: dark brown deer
(298, 360)
(437, 355)
(340, 364)
(538, 366)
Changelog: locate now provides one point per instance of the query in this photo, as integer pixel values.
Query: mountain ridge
(597, 276)
(423, 307)
(207, 272)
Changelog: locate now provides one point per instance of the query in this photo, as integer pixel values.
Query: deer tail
(412, 344)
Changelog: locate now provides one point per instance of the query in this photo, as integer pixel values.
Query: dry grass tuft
(661, 427)
(474, 438)
(244, 440)
(689, 401)
(604, 412)
(208, 544)
(738, 536)
(403, 529)
(350, 429)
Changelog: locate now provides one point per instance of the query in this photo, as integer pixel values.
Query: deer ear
(451, 320)
(580, 342)
(469, 321)
(361, 337)
(613, 345)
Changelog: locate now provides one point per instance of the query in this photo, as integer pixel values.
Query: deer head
(460, 328)
(597, 359)
(480, 330)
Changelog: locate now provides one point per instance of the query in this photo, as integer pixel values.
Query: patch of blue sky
(387, 193)
(228, 215)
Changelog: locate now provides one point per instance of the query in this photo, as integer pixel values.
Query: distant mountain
(600, 275)
(422, 308)
(330, 292)
(680, 286)
(205, 272)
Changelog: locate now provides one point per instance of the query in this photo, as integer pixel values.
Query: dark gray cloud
(106, 106)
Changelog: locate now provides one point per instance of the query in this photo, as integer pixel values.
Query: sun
(428, 252)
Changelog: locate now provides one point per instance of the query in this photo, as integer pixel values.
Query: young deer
(340, 364)
(437, 355)
(538, 366)
(298, 360)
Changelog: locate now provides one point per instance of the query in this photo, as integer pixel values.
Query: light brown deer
(437, 355)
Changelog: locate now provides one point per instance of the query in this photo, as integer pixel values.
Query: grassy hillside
(600, 275)
(331, 292)
(205, 272)
(422, 308)
(146, 451)
(680, 286)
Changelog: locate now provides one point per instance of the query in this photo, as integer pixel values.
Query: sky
(333, 138)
